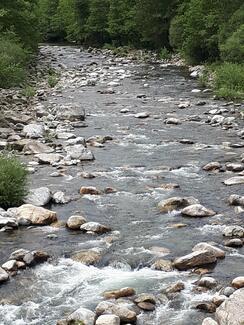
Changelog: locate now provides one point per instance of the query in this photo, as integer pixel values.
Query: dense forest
(203, 31)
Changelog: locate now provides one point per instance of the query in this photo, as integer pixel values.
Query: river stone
(36, 147)
(147, 306)
(65, 135)
(145, 297)
(233, 231)
(207, 282)
(197, 210)
(234, 180)
(235, 167)
(89, 190)
(79, 140)
(194, 259)
(95, 227)
(142, 115)
(35, 257)
(74, 222)
(175, 287)
(60, 198)
(80, 152)
(88, 257)
(34, 130)
(172, 120)
(215, 165)
(3, 275)
(124, 292)
(18, 254)
(235, 199)
(72, 114)
(19, 145)
(231, 311)
(238, 282)
(10, 266)
(39, 196)
(174, 203)
(108, 320)
(218, 299)
(8, 222)
(36, 215)
(206, 306)
(83, 315)
(125, 314)
(219, 253)
(236, 242)
(209, 321)
(48, 158)
(162, 265)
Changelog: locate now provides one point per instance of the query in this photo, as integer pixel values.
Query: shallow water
(143, 155)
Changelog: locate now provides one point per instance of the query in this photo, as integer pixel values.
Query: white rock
(233, 231)
(75, 222)
(219, 253)
(60, 198)
(234, 180)
(48, 158)
(108, 320)
(197, 210)
(3, 275)
(84, 315)
(39, 196)
(34, 130)
(79, 152)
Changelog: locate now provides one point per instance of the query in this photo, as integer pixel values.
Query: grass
(13, 181)
(165, 54)
(29, 91)
(53, 78)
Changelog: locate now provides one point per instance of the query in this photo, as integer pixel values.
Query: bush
(13, 59)
(13, 181)
(165, 54)
(233, 49)
(229, 81)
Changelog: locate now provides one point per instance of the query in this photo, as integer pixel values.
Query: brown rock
(88, 257)
(197, 258)
(36, 215)
(162, 265)
(89, 190)
(238, 282)
(124, 292)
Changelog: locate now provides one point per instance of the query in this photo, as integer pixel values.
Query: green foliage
(229, 81)
(13, 182)
(165, 54)
(13, 59)
(29, 91)
(52, 81)
(233, 48)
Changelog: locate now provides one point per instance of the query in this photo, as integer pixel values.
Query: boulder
(194, 259)
(18, 254)
(234, 180)
(35, 147)
(88, 257)
(147, 306)
(172, 120)
(80, 152)
(231, 311)
(124, 313)
(197, 210)
(65, 135)
(36, 215)
(85, 316)
(108, 320)
(3, 275)
(219, 253)
(34, 131)
(72, 114)
(206, 306)
(212, 166)
(35, 257)
(48, 158)
(95, 227)
(238, 282)
(115, 294)
(74, 222)
(174, 203)
(235, 167)
(39, 196)
(233, 231)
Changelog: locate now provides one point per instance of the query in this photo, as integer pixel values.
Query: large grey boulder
(39, 196)
(122, 311)
(35, 147)
(231, 311)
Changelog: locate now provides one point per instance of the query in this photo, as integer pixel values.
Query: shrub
(233, 49)
(13, 181)
(165, 54)
(13, 59)
(229, 81)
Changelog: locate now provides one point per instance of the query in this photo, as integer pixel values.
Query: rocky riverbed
(135, 213)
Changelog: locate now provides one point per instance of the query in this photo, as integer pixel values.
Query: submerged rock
(194, 259)
(212, 166)
(162, 265)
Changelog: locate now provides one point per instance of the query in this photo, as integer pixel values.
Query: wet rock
(35, 257)
(60, 198)
(8, 222)
(109, 190)
(95, 227)
(207, 282)
(228, 291)
(209, 321)
(48, 158)
(169, 186)
(125, 314)
(19, 145)
(108, 320)
(99, 139)
(87, 175)
(35, 147)
(10, 266)
(212, 166)
(79, 140)
(219, 253)
(145, 297)
(80, 152)
(197, 210)
(142, 115)
(233, 231)
(34, 131)
(235, 167)
(88, 257)
(18, 254)
(218, 299)
(235, 199)
(184, 105)
(172, 120)
(89, 190)
(74, 222)
(231, 310)
(65, 135)
(72, 114)
(39, 196)
(238, 282)
(234, 180)
(36, 215)
(236, 242)
(206, 306)
(162, 265)
(124, 292)
(194, 259)
(175, 287)
(174, 203)
(83, 315)
(3, 276)
(147, 306)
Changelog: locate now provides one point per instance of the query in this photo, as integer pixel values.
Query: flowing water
(144, 154)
